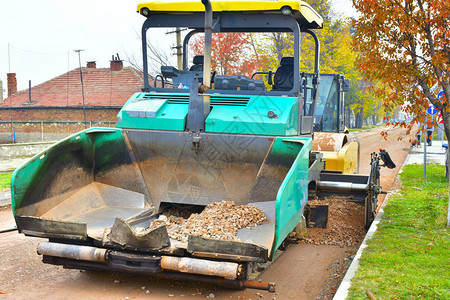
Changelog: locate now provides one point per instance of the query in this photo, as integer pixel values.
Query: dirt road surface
(303, 271)
(372, 141)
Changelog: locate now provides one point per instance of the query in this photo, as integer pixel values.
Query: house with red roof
(60, 100)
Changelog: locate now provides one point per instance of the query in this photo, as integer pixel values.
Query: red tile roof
(101, 88)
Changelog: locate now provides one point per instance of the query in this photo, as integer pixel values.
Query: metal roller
(336, 183)
(72, 251)
(329, 141)
(226, 270)
(342, 187)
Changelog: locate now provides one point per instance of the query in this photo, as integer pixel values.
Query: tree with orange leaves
(405, 44)
(232, 53)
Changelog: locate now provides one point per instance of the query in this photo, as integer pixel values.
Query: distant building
(54, 109)
(1, 91)
(60, 99)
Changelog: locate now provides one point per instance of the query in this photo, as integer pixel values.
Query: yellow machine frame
(297, 7)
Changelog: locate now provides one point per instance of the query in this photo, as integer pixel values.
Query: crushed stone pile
(219, 220)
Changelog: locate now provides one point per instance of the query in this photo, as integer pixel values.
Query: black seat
(198, 63)
(284, 76)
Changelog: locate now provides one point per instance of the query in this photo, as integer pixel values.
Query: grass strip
(409, 255)
(5, 180)
(363, 128)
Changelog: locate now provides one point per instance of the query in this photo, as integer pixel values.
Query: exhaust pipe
(208, 42)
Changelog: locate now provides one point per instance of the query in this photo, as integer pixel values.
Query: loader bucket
(103, 181)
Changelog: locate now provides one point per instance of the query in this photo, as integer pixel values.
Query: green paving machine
(194, 138)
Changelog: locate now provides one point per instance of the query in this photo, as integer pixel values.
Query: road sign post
(431, 110)
(424, 157)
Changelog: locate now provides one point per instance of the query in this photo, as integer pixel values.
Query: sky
(37, 38)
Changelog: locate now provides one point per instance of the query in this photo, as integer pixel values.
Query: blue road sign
(431, 110)
(441, 94)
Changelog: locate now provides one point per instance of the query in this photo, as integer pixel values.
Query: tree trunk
(280, 44)
(359, 119)
(446, 166)
(446, 119)
(347, 118)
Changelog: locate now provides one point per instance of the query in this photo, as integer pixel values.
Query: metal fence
(40, 131)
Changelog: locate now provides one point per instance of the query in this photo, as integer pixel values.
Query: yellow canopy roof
(233, 5)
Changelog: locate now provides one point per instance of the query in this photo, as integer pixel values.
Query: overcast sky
(43, 34)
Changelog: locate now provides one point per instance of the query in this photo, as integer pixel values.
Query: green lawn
(5, 179)
(409, 255)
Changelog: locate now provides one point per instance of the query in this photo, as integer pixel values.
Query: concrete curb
(9, 151)
(5, 198)
(418, 152)
(346, 282)
(30, 143)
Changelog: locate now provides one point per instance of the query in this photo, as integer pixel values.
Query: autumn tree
(232, 53)
(246, 53)
(337, 55)
(405, 46)
(363, 101)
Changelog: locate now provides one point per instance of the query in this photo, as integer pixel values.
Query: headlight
(145, 11)
(286, 10)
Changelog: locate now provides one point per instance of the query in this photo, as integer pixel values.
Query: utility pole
(82, 86)
(179, 47)
(179, 52)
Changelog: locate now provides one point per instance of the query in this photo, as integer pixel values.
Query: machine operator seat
(284, 76)
(198, 64)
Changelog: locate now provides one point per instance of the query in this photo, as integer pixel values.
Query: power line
(35, 52)
(82, 86)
